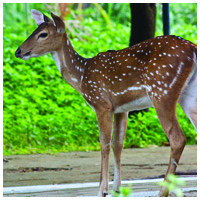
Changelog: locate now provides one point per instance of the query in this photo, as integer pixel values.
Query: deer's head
(45, 39)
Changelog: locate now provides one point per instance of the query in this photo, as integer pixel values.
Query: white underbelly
(137, 104)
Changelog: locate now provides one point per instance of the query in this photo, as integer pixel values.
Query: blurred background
(41, 112)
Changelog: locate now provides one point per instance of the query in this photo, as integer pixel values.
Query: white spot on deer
(165, 91)
(74, 79)
(147, 77)
(77, 67)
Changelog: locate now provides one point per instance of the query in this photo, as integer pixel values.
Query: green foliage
(183, 20)
(145, 129)
(43, 114)
(173, 184)
(123, 192)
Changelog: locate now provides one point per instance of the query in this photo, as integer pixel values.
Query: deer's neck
(70, 64)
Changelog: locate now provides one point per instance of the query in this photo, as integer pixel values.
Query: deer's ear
(39, 17)
(58, 23)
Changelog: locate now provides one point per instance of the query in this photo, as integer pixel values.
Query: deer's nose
(18, 52)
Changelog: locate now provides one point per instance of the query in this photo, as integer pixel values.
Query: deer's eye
(43, 35)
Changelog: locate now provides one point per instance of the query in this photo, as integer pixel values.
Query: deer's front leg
(105, 133)
(120, 125)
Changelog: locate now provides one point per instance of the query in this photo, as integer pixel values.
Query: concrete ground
(84, 167)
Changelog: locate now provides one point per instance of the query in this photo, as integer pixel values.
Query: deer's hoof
(105, 194)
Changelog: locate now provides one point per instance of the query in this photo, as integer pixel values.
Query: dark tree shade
(143, 18)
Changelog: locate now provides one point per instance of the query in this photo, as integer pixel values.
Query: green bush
(43, 114)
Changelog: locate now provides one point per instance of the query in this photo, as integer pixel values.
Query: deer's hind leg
(167, 116)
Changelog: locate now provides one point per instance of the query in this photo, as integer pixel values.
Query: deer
(159, 73)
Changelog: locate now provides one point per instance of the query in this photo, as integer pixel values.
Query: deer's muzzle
(18, 53)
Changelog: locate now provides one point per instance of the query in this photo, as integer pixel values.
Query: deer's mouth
(26, 55)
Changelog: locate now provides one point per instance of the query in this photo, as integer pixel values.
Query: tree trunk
(143, 20)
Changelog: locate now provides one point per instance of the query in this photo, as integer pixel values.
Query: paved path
(141, 188)
(65, 169)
